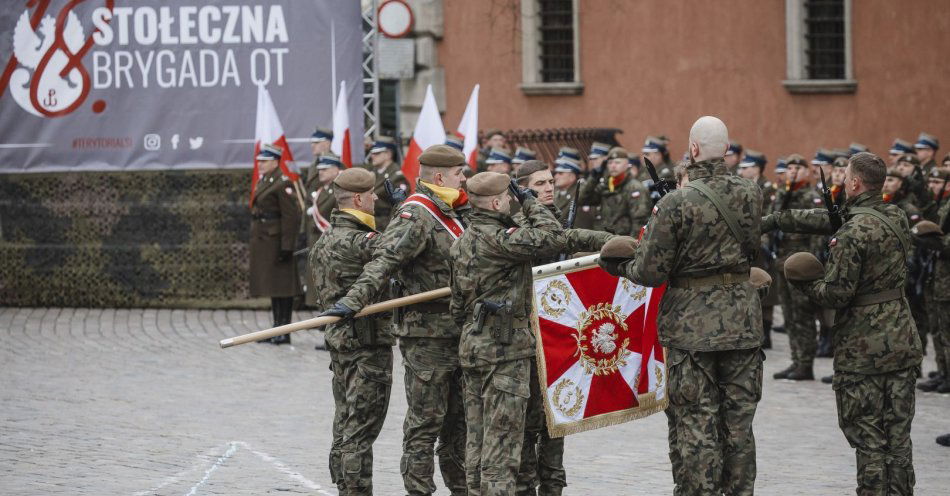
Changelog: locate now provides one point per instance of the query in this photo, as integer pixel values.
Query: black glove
(612, 265)
(597, 172)
(396, 195)
(931, 242)
(521, 194)
(339, 310)
(285, 256)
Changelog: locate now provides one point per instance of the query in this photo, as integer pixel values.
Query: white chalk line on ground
(231, 448)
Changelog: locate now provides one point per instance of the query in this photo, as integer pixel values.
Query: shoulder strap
(726, 214)
(886, 220)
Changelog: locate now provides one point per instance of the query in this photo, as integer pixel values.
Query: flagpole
(564, 267)
(333, 64)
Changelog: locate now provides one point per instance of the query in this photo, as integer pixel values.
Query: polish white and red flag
(269, 131)
(341, 129)
(599, 360)
(468, 129)
(429, 131)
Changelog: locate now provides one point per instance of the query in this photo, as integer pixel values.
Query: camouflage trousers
(940, 331)
(875, 413)
(713, 398)
(542, 457)
(435, 412)
(362, 381)
(799, 316)
(496, 399)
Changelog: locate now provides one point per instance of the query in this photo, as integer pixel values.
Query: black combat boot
(944, 387)
(828, 379)
(779, 329)
(801, 373)
(784, 374)
(944, 440)
(824, 344)
(767, 338)
(930, 385)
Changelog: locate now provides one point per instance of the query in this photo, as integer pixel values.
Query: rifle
(662, 185)
(571, 216)
(775, 237)
(834, 214)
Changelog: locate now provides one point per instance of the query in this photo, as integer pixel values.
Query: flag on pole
(429, 131)
(341, 129)
(599, 360)
(268, 130)
(468, 128)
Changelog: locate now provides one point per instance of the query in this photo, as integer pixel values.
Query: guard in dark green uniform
(623, 200)
(567, 184)
(926, 150)
(382, 157)
(275, 224)
(361, 355)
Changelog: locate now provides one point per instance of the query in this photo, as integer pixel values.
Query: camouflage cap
(926, 227)
(488, 183)
(618, 152)
(441, 156)
(940, 173)
(356, 180)
(759, 278)
(528, 168)
(803, 266)
(619, 247)
(909, 158)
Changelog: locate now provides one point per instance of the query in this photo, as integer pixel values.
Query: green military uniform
(877, 349)
(938, 302)
(799, 313)
(384, 204)
(275, 224)
(765, 262)
(711, 325)
(361, 356)
(492, 265)
(414, 249)
(623, 200)
(316, 220)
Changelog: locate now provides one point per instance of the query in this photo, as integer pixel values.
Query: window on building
(819, 46)
(550, 47)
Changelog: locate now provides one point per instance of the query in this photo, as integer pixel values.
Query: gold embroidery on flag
(555, 298)
(568, 397)
(603, 338)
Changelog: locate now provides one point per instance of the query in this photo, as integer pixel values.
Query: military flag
(341, 129)
(599, 360)
(268, 130)
(468, 129)
(429, 131)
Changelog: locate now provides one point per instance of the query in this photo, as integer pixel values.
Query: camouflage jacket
(940, 280)
(688, 238)
(802, 198)
(492, 262)
(865, 259)
(586, 215)
(336, 260)
(414, 249)
(384, 205)
(622, 211)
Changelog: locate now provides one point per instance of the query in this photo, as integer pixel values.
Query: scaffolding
(370, 69)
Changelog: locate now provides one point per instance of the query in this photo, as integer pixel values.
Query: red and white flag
(341, 129)
(468, 128)
(599, 360)
(429, 131)
(268, 130)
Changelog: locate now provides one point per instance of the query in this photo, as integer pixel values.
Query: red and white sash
(323, 225)
(451, 224)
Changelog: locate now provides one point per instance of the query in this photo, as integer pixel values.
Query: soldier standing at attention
(877, 349)
(498, 161)
(275, 224)
(624, 201)
(798, 312)
(733, 156)
(926, 150)
(492, 301)
(414, 249)
(317, 220)
(751, 167)
(567, 173)
(701, 241)
(361, 355)
(382, 157)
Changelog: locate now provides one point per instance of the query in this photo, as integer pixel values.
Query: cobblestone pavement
(141, 402)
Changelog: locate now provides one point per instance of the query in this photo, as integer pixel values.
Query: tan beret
(803, 266)
(441, 156)
(530, 167)
(925, 227)
(759, 278)
(356, 180)
(619, 247)
(488, 183)
(618, 152)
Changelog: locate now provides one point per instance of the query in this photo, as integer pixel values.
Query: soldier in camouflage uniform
(414, 250)
(701, 241)
(275, 224)
(751, 167)
(319, 187)
(382, 157)
(799, 313)
(931, 244)
(361, 355)
(623, 200)
(492, 301)
(877, 349)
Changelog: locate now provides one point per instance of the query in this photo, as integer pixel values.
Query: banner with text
(148, 84)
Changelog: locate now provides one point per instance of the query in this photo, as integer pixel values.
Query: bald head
(708, 139)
